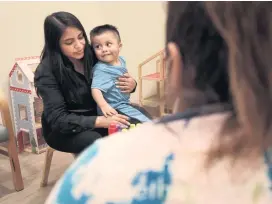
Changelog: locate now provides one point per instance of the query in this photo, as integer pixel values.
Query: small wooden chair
(47, 164)
(7, 135)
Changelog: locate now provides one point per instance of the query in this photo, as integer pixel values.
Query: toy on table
(118, 128)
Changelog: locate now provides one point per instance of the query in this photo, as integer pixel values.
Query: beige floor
(31, 166)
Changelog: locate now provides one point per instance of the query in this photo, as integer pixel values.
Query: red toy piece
(112, 128)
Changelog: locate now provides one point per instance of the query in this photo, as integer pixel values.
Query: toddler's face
(107, 47)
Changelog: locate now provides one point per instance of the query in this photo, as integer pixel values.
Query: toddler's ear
(120, 45)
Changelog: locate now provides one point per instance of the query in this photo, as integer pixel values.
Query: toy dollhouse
(158, 76)
(27, 107)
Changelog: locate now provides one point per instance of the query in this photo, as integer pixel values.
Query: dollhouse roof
(28, 66)
(25, 69)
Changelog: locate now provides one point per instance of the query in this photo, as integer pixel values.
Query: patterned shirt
(164, 163)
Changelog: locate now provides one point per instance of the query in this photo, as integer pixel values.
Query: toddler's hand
(107, 110)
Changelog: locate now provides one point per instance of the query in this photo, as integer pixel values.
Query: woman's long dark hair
(228, 45)
(54, 26)
(202, 49)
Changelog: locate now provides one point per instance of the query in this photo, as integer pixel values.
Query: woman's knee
(74, 143)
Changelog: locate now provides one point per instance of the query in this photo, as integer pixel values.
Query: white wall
(141, 25)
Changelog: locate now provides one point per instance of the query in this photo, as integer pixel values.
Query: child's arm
(106, 109)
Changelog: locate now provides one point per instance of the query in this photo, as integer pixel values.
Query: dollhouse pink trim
(20, 90)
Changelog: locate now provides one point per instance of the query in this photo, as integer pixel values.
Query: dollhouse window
(38, 109)
(22, 112)
(19, 76)
(26, 140)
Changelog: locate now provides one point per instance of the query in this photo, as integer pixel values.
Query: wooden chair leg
(47, 165)
(15, 166)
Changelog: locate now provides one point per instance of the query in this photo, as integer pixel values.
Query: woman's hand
(103, 122)
(126, 83)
